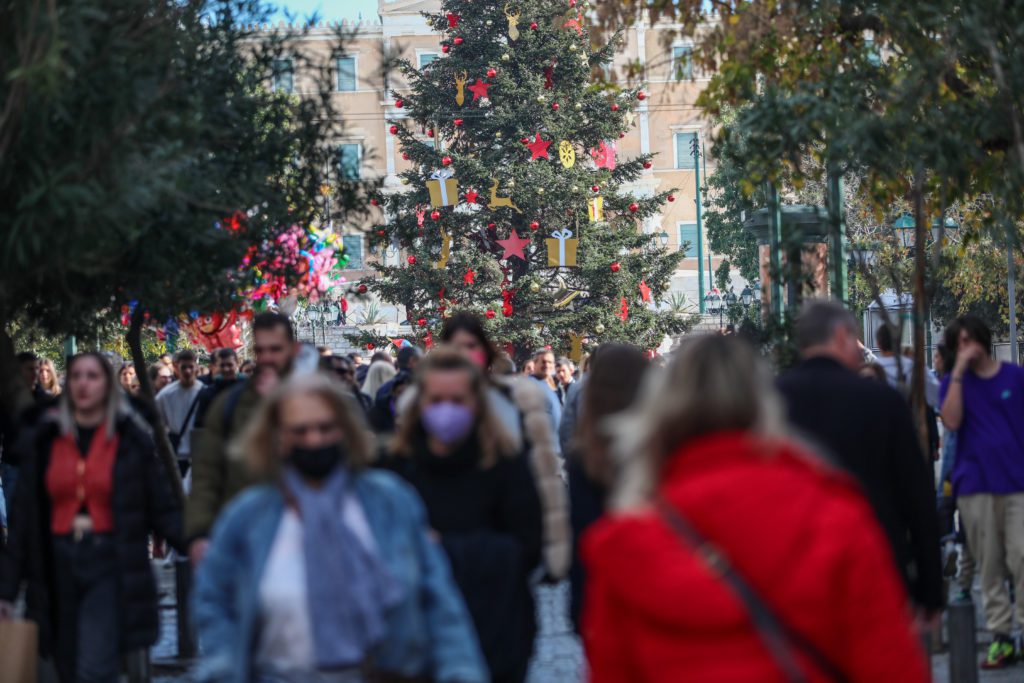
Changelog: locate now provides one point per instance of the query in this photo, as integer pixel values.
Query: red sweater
(73, 481)
(801, 534)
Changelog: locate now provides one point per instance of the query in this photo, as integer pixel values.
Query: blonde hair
(114, 404)
(54, 388)
(377, 376)
(493, 439)
(259, 443)
(713, 384)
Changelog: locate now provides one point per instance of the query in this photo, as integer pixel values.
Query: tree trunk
(163, 444)
(917, 396)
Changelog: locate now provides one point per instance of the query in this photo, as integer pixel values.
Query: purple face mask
(448, 422)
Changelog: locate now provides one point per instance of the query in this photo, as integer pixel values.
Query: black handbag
(780, 639)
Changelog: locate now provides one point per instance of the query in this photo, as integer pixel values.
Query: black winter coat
(867, 427)
(490, 526)
(142, 502)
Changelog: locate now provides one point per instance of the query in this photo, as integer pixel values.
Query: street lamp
(904, 228)
(663, 236)
(756, 287)
(746, 296)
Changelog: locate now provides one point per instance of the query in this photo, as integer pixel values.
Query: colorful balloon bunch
(308, 261)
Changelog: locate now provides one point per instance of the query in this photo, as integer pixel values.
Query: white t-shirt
(174, 402)
(286, 633)
(892, 371)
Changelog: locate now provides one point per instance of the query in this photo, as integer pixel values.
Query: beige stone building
(668, 123)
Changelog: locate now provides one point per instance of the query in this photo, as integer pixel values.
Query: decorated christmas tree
(514, 208)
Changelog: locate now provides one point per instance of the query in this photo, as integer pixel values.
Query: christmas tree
(513, 209)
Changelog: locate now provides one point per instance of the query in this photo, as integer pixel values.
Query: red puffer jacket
(802, 536)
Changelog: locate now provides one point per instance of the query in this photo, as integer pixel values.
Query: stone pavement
(558, 657)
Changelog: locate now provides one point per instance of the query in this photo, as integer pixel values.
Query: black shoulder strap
(188, 415)
(778, 637)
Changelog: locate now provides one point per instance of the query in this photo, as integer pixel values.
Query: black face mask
(317, 463)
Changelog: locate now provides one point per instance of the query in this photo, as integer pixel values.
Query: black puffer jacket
(142, 502)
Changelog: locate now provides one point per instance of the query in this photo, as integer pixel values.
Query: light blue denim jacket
(430, 631)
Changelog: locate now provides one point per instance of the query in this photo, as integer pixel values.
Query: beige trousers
(995, 533)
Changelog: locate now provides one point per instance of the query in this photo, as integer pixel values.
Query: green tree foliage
(540, 89)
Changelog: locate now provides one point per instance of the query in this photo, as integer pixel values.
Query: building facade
(668, 123)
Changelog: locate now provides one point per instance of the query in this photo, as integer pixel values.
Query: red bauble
(641, 95)
(490, 314)
(622, 135)
(615, 107)
(616, 267)
(447, 161)
(534, 225)
(430, 133)
(393, 130)
(671, 197)
(492, 226)
(435, 215)
(457, 122)
(572, 3)
(362, 289)
(458, 40)
(380, 233)
(648, 164)
(634, 207)
(411, 260)
(533, 25)
(525, 141)
(554, 105)
(491, 73)
(370, 346)
(445, 48)
(398, 104)
(422, 322)
(405, 156)
(374, 202)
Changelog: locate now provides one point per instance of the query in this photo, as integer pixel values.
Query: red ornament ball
(370, 346)
(641, 95)
(533, 25)
(380, 233)
(457, 122)
(671, 197)
(492, 226)
(616, 267)
(458, 40)
(411, 260)
(491, 73)
(615, 107)
(447, 161)
(634, 207)
(435, 215)
(534, 225)
(554, 105)
(525, 141)
(648, 164)
(430, 133)
(405, 156)
(572, 3)
(398, 104)
(362, 289)
(422, 322)
(490, 314)
(445, 48)
(374, 202)
(393, 130)
(595, 188)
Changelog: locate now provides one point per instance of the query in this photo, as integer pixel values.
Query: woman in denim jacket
(329, 574)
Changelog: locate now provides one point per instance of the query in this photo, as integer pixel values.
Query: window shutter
(346, 74)
(354, 249)
(684, 150)
(688, 239)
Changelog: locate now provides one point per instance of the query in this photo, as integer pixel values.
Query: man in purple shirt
(983, 400)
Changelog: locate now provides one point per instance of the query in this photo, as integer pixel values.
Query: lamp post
(746, 296)
(663, 237)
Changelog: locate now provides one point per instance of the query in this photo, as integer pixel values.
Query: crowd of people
(387, 520)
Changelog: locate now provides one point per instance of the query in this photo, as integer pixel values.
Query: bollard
(963, 648)
(182, 590)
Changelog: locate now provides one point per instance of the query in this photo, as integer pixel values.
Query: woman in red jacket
(731, 554)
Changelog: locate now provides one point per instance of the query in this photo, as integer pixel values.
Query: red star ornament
(645, 291)
(479, 89)
(470, 277)
(539, 148)
(471, 196)
(514, 246)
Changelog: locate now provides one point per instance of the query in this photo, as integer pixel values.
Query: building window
(682, 63)
(684, 150)
(349, 161)
(426, 58)
(283, 76)
(354, 248)
(346, 67)
(688, 239)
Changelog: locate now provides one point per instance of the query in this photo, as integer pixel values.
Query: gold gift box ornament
(562, 248)
(443, 188)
